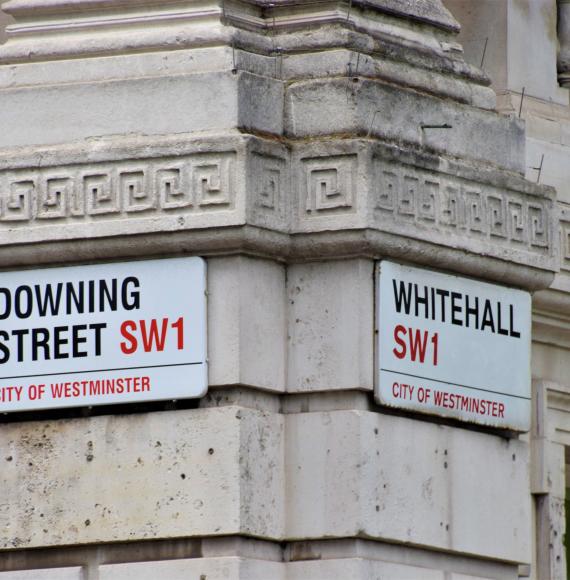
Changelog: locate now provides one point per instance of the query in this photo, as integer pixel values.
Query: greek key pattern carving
(329, 184)
(197, 183)
(565, 236)
(414, 195)
(269, 186)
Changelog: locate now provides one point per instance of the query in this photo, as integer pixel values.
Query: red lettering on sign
(153, 335)
(418, 341)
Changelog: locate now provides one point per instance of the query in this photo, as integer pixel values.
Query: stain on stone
(89, 452)
(427, 491)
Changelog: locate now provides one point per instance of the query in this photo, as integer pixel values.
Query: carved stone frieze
(565, 236)
(197, 183)
(349, 187)
(449, 204)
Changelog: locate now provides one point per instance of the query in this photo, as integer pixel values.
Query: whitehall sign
(102, 334)
(453, 347)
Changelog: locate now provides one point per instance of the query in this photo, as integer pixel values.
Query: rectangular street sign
(453, 347)
(103, 334)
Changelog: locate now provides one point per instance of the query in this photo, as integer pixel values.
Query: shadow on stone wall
(4, 21)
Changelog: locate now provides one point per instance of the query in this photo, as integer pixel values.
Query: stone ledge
(228, 193)
(235, 471)
(296, 557)
(151, 476)
(61, 19)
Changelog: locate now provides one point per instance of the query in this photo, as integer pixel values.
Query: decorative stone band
(314, 200)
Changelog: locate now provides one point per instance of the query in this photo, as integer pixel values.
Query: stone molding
(419, 32)
(380, 199)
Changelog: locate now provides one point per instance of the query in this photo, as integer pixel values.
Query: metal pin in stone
(424, 126)
(484, 52)
(278, 63)
(522, 101)
(539, 169)
(356, 70)
(234, 69)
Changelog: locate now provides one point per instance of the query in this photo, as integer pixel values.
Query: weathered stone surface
(247, 321)
(161, 475)
(170, 26)
(430, 11)
(342, 198)
(71, 573)
(330, 325)
(380, 109)
(369, 475)
(230, 568)
(150, 150)
(509, 61)
(359, 569)
(139, 106)
(409, 560)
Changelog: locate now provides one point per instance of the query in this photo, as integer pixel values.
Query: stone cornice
(67, 29)
(430, 12)
(291, 200)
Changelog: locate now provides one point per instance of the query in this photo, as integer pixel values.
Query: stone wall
(292, 145)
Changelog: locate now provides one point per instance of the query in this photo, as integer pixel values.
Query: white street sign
(103, 334)
(453, 347)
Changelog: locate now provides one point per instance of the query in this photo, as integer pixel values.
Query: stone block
(555, 171)
(228, 568)
(466, 577)
(354, 473)
(331, 325)
(358, 569)
(550, 362)
(51, 114)
(71, 573)
(131, 477)
(247, 322)
(137, 106)
(388, 112)
(534, 67)
(510, 61)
